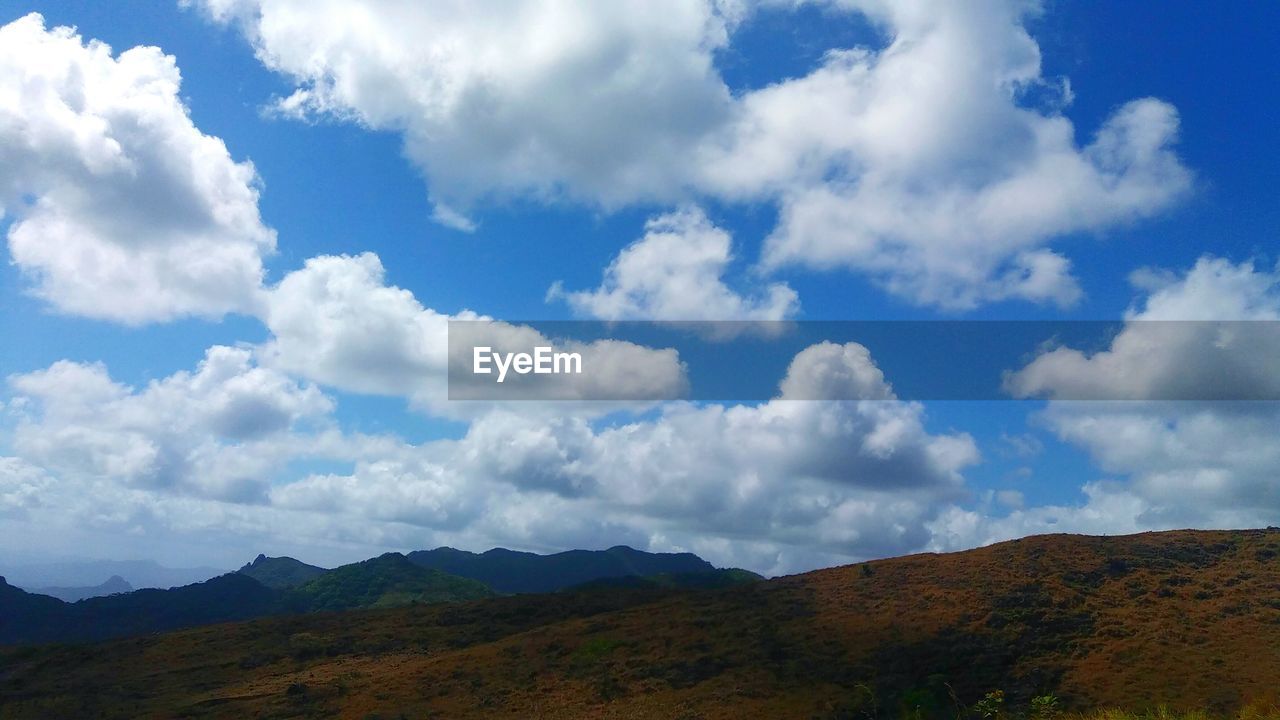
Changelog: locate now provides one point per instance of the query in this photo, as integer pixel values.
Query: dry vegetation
(1187, 621)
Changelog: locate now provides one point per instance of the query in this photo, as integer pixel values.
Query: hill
(1187, 620)
(114, 585)
(509, 571)
(280, 572)
(25, 617)
(386, 581)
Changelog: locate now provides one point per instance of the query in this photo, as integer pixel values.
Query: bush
(990, 707)
(1044, 707)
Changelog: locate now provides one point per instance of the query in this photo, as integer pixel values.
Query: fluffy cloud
(22, 486)
(121, 208)
(336, 322)
(1211, 334)
(828, 371)
(798, 481)
(675, 272)
(781, 486)
(921, 163)
(1108, 509)
(217, 432)
(596, 100)
(1186, 463)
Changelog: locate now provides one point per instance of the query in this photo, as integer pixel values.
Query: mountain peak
(280, 572)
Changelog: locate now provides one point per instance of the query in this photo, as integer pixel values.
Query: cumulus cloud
(920, 163)
(806, 480)
(22, 487)
(828, 371)
(121, 208)
(337, 322)
(581, 98)
(1186, 463)
(781, 485)
(1108, 509)
(676, 272)
(1210, 334)
(217, 432)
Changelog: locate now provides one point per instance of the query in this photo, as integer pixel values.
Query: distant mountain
(276, 586)
(281, 572)
(114, 585)
(387, 581)
(509, 571)
(26, 617)
(84, 573)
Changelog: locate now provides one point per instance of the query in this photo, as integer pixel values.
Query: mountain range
(88, 573)
(1185, 620)
(280, 586)
(113, 586)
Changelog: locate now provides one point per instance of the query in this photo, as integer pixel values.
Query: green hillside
(389, 580)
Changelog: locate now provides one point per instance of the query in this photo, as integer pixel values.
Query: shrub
(991, 706)
(1044, 707)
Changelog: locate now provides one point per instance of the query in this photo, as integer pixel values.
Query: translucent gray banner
(864, 360)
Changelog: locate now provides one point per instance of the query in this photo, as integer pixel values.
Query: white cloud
(784, 485)
(336, 322)
(1108, 509)
(1189, 461)
(676, 272)
(1210, 334)
(1207, 464)
(802, 480)
(594, 100)
(22, 486)
(217, 432)
(828, 371)
(919, 164)
(122, 209)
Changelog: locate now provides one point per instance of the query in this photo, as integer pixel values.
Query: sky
(236, 231)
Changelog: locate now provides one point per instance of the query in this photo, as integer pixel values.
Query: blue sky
(890, 227)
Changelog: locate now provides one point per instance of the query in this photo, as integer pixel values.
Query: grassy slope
(1184, 619)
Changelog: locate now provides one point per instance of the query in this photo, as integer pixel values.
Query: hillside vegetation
(386, 581)
(510, 571)
(1188, 621)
